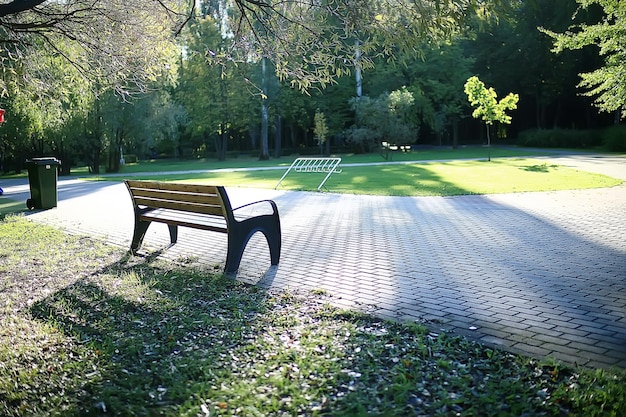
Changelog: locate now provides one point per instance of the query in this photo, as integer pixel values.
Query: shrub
(363, 138)
(614, 138)
(559, 138)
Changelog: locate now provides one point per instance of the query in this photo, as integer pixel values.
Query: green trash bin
(42, 176)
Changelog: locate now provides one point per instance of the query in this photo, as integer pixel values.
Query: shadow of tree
(540, 168)
(158, 329)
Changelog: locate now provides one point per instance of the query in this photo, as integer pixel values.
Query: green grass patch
(10, 206)
(87, 330)
(416, 179)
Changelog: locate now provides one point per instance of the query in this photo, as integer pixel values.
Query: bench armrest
(249, 205)
(255, 209)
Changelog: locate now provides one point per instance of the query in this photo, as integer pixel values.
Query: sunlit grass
(417, 179)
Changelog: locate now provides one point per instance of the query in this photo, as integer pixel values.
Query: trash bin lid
(44, 161)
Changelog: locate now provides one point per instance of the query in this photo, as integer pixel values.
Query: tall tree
(546, 82)
(217, 95)
(264, 153)
(37, 114)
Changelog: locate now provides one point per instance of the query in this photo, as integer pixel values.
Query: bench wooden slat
(213, 223)
(215, 210)
(170, 186)
(191, 197)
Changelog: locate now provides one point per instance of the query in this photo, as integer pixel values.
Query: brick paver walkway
(542, 274)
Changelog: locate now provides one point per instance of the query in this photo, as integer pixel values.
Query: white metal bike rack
(319, 165)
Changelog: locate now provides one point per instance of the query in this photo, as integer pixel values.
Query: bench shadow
(162, 335)
(147, 320)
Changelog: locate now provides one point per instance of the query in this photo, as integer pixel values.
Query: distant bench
(387, 148)
(203, 207)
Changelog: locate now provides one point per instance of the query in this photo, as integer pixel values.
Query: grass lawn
(414, 179)
(86, 330)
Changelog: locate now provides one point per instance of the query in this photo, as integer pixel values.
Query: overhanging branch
(18, 6)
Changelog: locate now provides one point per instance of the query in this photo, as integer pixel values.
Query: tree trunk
(264, 148)
(455, 132)
(66, 163)
(95, 147)
(221, 143)
(292, 135)
(279, 137)
(115, 154)
(488, 144)
(357, 71)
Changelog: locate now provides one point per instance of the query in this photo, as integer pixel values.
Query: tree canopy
(118, 43)
(312, 43)
(92, 81)
(606, 84)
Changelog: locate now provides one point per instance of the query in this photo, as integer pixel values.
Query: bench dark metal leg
(239, 236)
(139, 233)
(173, 233)
(274, 243)
(234, 254)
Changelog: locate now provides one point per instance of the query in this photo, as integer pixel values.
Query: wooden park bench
(203, 207)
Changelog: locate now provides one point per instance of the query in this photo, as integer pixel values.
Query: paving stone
(597, 360)
(532, 350)
(560, 348)
(510, 324)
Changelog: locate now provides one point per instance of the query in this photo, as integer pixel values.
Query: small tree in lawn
(488, 108)
(320, 130)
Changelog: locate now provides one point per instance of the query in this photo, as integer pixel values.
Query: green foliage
(320, 129)
(363, 138)
(123, 46)
(488, 108)
(605, 84)
(614, 138)
(313, 43)
(437, 84)
(221, 97)
(512, 55)
(387, 118)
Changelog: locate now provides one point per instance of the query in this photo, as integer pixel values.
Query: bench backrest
(196, 198)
